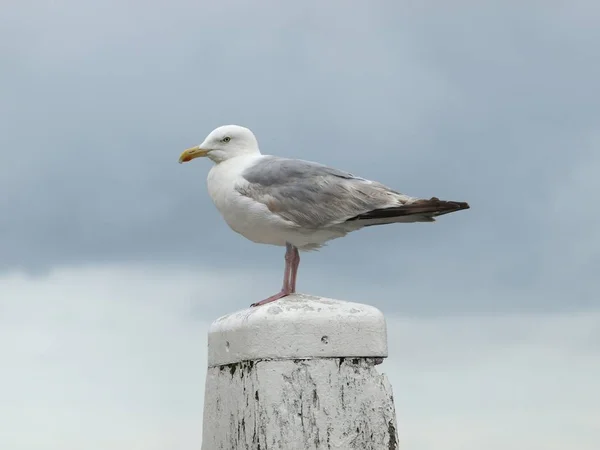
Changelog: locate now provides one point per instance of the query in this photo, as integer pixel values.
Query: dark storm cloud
(497, 106)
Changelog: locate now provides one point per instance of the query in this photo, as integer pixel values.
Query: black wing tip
(434, 201)
(461, 205)
(432, 207)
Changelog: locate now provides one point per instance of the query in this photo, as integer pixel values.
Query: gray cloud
(495, 105)
(109, 356)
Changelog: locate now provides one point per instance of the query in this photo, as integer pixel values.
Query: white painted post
(299, 374)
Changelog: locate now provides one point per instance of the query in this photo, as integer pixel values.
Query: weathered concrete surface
(298, 326)
(317, 404)
(299, 374)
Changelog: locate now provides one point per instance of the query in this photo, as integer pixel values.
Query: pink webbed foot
(272, 298)
(292, 260)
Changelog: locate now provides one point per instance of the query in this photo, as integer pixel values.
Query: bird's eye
(226, 139)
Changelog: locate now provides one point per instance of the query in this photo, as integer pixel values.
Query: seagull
(297, 204)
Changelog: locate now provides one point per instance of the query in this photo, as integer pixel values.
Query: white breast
(251, 219)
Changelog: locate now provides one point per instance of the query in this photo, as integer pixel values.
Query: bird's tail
(422, 210)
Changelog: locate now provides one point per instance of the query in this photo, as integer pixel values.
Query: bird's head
(223, 143)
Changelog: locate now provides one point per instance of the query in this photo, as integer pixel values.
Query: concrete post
(299, 374)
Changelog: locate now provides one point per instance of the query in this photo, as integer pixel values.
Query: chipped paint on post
(310, 403)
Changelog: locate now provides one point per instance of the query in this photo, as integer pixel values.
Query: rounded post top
(295, 327)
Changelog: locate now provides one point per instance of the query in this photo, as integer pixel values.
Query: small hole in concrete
(325, 339)
(226, 346)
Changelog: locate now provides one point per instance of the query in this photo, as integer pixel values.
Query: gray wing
(312, 195)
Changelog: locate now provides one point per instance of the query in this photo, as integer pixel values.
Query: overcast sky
(113, 260)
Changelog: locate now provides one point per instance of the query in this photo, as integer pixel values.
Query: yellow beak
(191, 153)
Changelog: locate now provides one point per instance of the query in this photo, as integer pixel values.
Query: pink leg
(286, 288)
(294, 270)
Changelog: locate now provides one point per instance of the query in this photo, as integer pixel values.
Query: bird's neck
(218, 156)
